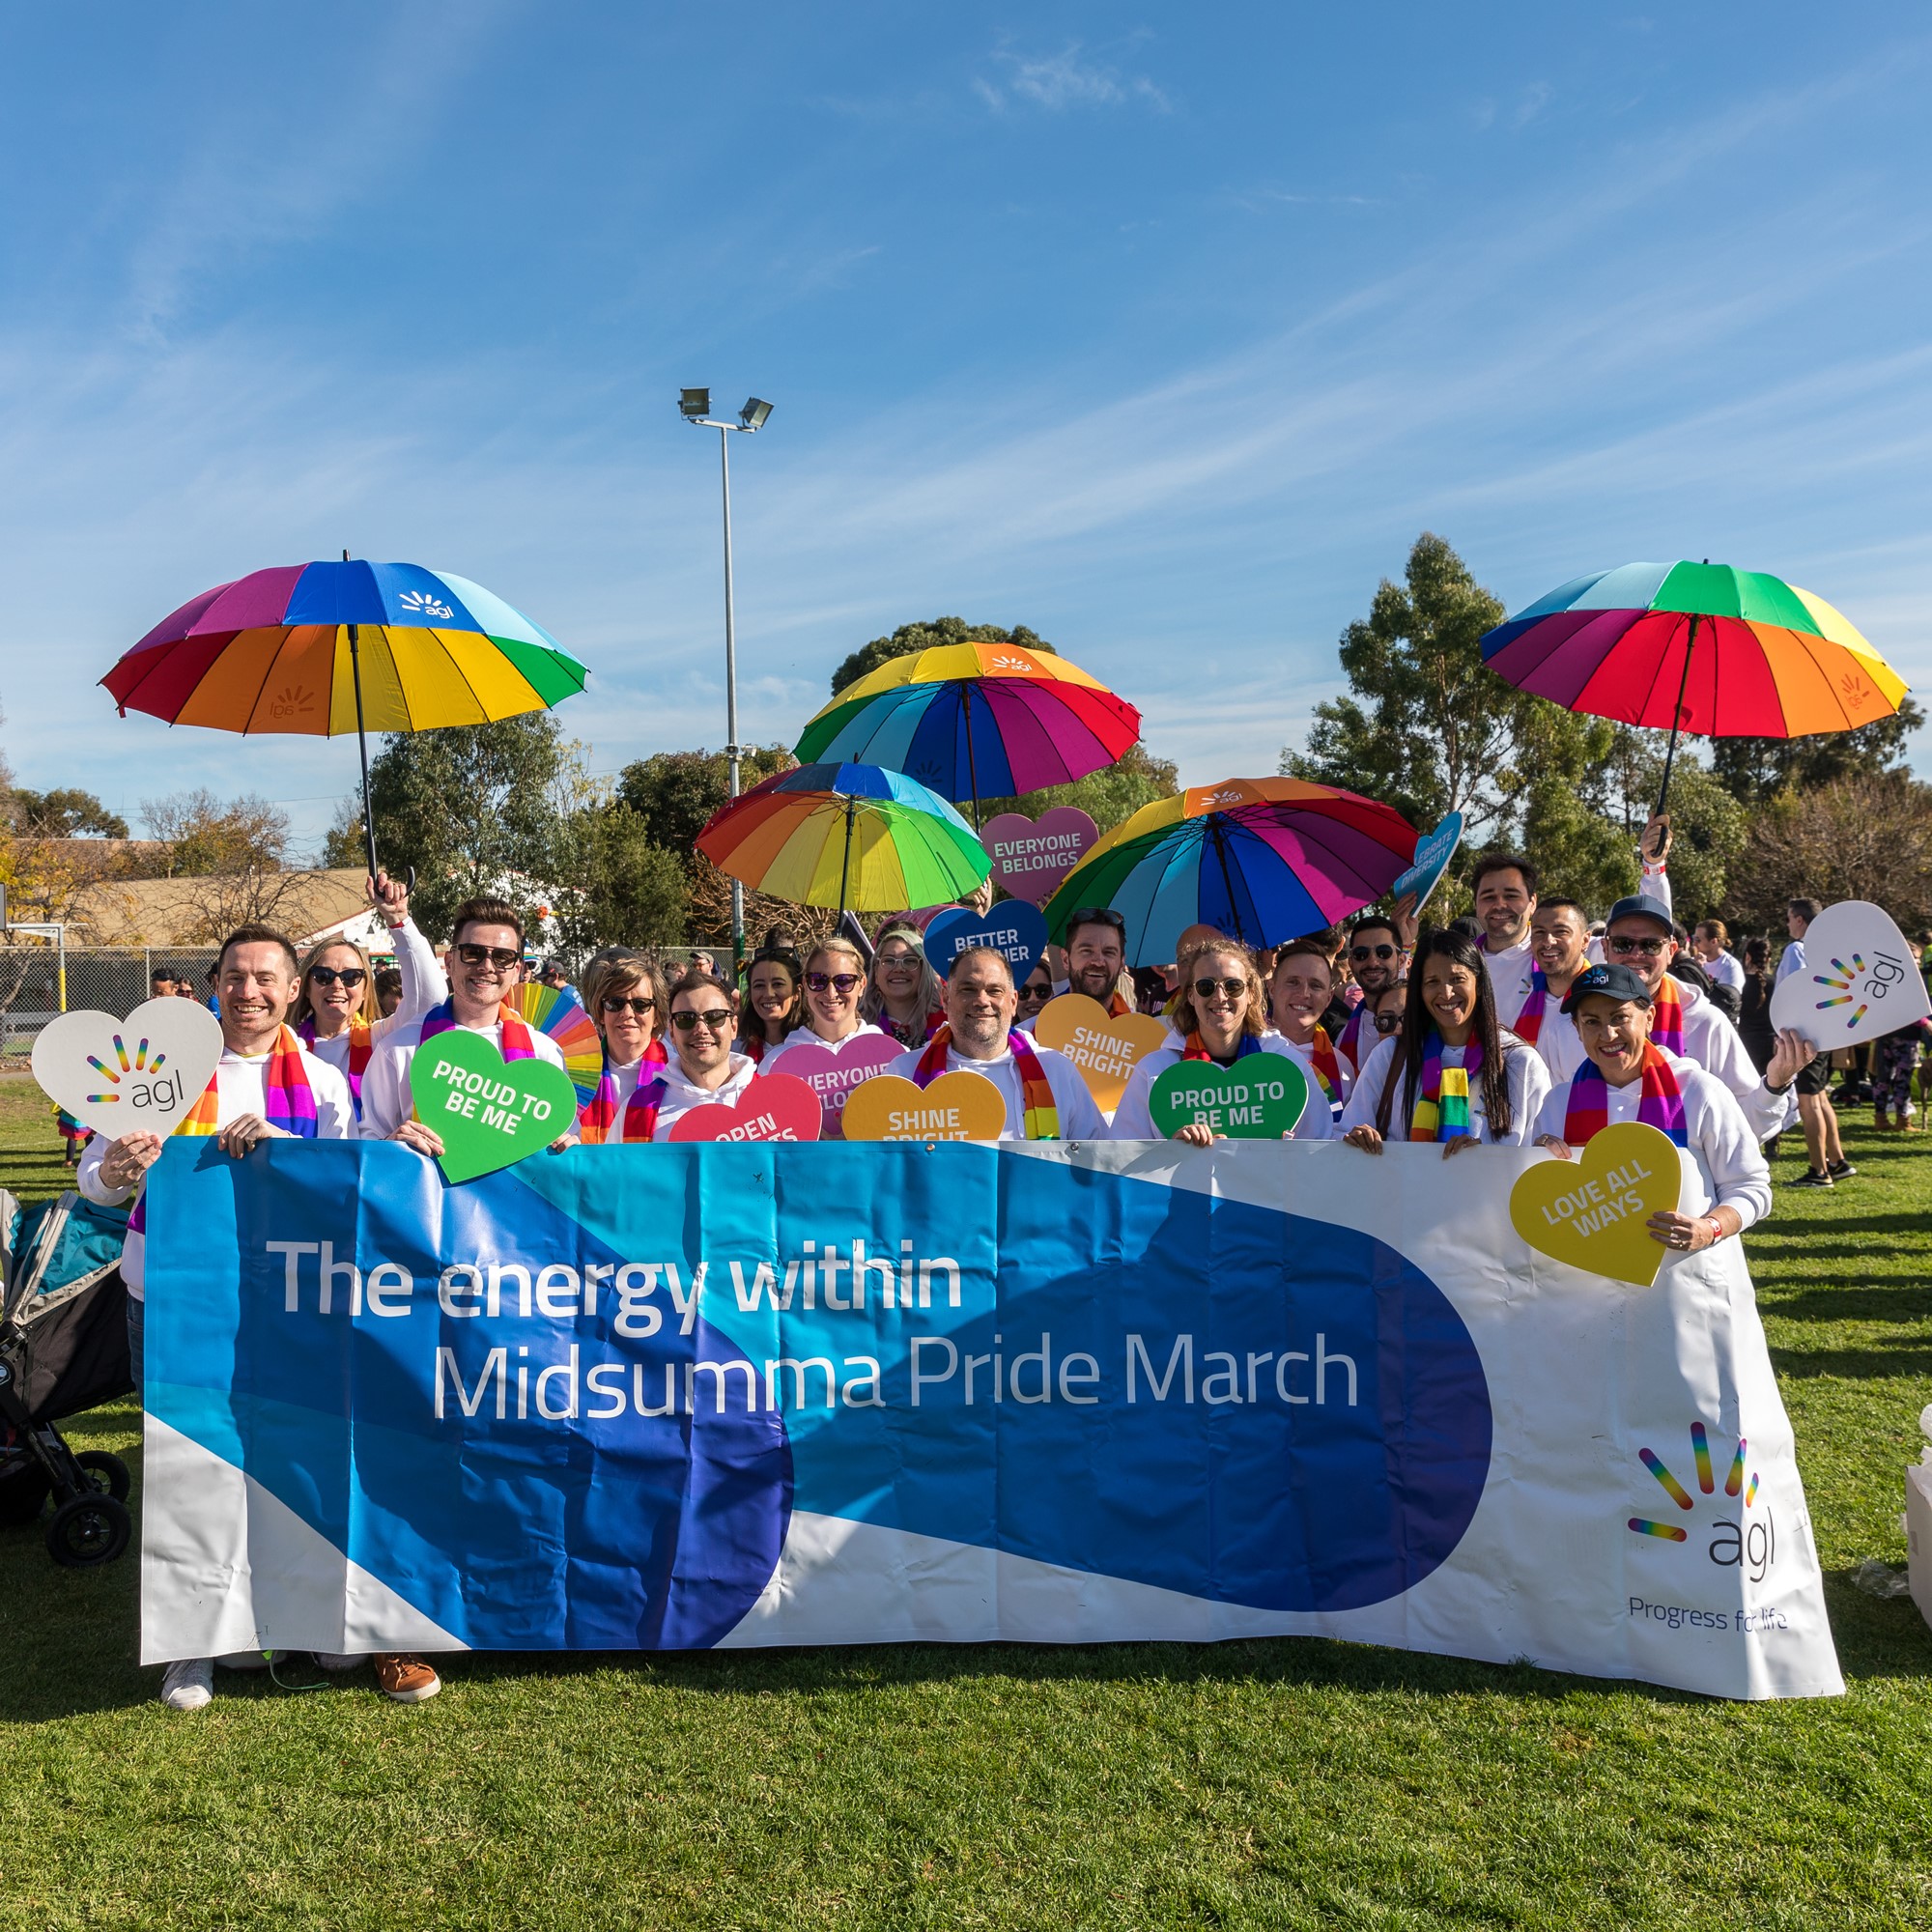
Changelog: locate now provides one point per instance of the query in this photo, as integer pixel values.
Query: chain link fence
(35, 986)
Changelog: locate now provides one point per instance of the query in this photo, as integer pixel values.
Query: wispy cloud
(1061, 81)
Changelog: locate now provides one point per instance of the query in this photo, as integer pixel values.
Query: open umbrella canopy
(977, 721)
(271, 652)
(1263, 860)
(1699, 647)
(846, 834)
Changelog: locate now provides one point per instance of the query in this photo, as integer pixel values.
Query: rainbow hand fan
(558, 1013)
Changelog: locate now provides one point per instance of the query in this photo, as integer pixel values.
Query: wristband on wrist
(1716, 1226)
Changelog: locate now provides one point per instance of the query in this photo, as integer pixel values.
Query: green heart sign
(490, 1113)
(1258, 1098)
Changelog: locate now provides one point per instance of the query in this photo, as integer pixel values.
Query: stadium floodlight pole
(695, 405)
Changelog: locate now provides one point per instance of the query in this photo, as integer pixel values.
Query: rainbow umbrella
(1699, 647)
(975, 721)
(322, 648)
(846, 836)
(559, 1013)
(1262, 860)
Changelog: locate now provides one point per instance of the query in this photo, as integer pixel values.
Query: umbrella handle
(1676, 718)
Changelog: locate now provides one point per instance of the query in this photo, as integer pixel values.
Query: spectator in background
(774, 997)
(1376, 955)
(704, 963)
(389, 989)
(1754, 1025)
(1826, 1153)
(1033, 995)
(1711, 942)
(160, 984)
(1895, 1061)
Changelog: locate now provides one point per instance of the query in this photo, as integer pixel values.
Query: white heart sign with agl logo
(137, 1075)
(1860, 979)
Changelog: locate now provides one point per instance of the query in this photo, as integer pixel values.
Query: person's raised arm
(424, 982)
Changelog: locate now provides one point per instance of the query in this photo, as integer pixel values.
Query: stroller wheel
(23, 1496)
(89, 1531)
(108, 1473)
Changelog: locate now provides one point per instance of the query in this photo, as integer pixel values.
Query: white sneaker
(338, 1661)
(189, 1684)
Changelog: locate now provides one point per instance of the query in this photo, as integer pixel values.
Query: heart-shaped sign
(1105, 1050)
(1590, 1212)
(1031, 855)
(489, 1112)
(1258, 1098)
(833, 1072)
(1433, 852)
(958, 1107)
(137, 1075)
(1012, 927)
(773, 1107)
(1860, 979)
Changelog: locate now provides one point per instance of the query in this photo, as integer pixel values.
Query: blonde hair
(834, 943)
(872, 1002)
(366, 1009)
(1254, 1013)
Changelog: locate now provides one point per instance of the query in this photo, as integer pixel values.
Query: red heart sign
(1031, 855)
(774, 1107)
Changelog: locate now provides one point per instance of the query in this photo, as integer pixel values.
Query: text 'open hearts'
(774, 1107)
(137, 1075)
(1590, 1211)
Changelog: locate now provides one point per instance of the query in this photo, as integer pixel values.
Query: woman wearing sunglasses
(1219, 1014)
(625, 998)
(774, 1002)
(902, 991)
(1449, 1073)
(835, 982)
(1033, 995)
(335, 1014)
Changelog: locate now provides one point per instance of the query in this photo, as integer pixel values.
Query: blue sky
(1164, 332)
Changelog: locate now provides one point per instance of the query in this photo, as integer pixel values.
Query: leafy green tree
(673, 793)
(204, 836)
(64, 814)
(924, 638)
(623, 890)
(1753, 768)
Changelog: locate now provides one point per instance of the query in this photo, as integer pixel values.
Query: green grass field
(1288, 1782)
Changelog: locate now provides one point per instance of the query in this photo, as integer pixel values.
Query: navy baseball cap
(1640, 905)
(1614, 982)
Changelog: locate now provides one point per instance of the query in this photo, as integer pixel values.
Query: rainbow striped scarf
(1196, 1049)
(515, 1035)
(1350, 1041)
(1040, 1117)
(1661, 1105)
(1529, 1022)
(361, 1044)
(1666, 1017)
(1327, 1070)
(599, 1114)
(288, 1103)
(1442, 1102)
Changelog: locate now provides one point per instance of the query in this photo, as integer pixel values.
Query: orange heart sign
(1105, 1050)
(1590, 1211)
(958, 1107)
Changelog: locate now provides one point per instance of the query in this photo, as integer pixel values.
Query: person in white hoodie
(703, 1069)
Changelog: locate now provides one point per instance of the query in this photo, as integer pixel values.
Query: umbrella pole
(1221, 853)
(1670, 750)
(845, 865)
(972, 766)
(362, 743)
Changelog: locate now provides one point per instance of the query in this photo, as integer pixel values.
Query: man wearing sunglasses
(486, 961)
(1096, 954)
(1045, 1094)
(1376, 958)
(1641, 934)
(703, 1069)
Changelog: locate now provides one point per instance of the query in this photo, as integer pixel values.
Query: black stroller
(63, 1348)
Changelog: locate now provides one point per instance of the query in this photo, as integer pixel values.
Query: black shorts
(1815, 1076)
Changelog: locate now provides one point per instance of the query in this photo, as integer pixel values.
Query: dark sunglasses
(818, 982)
(1205, 989)
(1649, 948)
(351, 977)
(1387, 1022)
(716, 1019)
(504, 957)
(1371, 953)
(617, 1004)
(1099, 916)
(1032, 992)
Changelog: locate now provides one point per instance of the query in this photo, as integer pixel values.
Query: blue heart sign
(1012, 927)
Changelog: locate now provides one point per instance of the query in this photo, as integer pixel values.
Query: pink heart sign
(773, 1107)
(1031, 855)
(833, 1072)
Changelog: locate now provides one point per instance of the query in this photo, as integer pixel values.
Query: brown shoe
(406, 1680)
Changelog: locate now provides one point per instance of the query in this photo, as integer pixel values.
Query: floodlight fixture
(693, 403)
(753, 415)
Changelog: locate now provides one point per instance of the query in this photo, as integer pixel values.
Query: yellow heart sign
(1105, 1050)
(958, 1107)
(1590, 1211)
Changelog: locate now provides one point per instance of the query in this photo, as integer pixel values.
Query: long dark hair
(1418, 1023)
